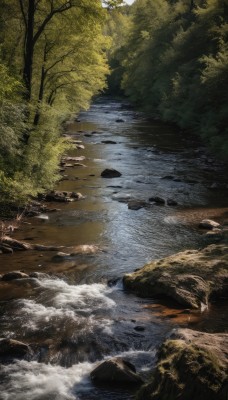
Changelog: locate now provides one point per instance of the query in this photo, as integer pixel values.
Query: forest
(168, 57)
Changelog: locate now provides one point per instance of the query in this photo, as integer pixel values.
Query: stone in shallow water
(114, 371)
(9, 276)
(136, 204)
(157, 199)
(110, 173)
(208, 224)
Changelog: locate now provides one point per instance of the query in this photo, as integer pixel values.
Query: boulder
(191, 277)
(191, 365)
(209, 224)
(116, 370)
(110, 173)
(11, 348)
(9, 276)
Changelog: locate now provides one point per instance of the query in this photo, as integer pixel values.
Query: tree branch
(23, 13)
(53, 11)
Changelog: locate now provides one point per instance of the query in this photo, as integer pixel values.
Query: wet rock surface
(190, 365)
(191, 277)
(110, 173)
(10, 348)
(116, 371)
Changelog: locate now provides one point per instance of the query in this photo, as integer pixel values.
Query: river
(76, 312)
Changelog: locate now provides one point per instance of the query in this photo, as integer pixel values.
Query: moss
(186, 371)
(190, 277)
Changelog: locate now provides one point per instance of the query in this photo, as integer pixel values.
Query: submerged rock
(191, 365)
(191, 277)
(110, 173)
(114, 371)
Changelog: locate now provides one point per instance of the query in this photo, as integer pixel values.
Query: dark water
(70, 315)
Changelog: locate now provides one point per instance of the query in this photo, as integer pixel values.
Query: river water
(76, 312)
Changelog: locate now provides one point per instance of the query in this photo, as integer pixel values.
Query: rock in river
(191, 365)
(13, 348)
(191, 277)
(9, 276)
(110, 173)
(116, 370)
(157, 199)
(209, 224)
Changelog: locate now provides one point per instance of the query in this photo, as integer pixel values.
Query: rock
(116, 370)
(121, 197)
(136, 204)
(80, 147)
(215, 235)
(110, 173)
(85, 249)
(191, 277)
(79, 165)
(63, 196)
(171, 202)
(76, 159)
(209, 224)
(108, 142)
(119, 120)
(157, 199)
(60, 256)
(6, 249)
(42, 216)
(14, 244)
(191, 365)
(38, 275)
(11, 348)
(139, 328)
(9, 276)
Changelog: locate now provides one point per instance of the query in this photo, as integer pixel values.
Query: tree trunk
(29, 49)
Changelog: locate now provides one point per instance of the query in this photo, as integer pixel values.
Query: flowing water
(75, 312)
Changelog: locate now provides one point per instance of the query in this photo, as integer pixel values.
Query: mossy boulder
(191, 277)
(191, 365)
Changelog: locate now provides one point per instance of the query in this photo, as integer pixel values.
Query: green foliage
(67, 67)
(175, 64)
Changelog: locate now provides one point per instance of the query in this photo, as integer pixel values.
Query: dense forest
(168, 57)
(171, 58)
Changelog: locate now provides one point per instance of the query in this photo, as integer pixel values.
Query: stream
(75, 312)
